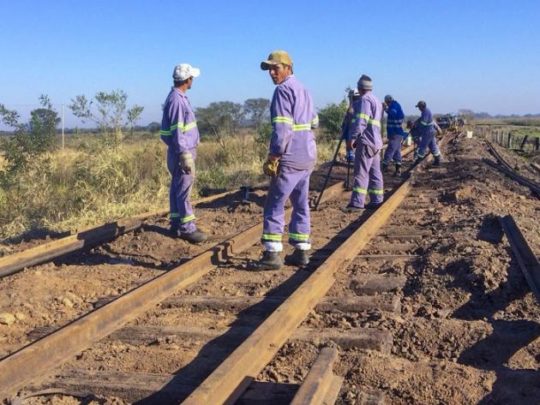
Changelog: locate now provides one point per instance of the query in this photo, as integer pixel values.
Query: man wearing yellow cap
(291, 158)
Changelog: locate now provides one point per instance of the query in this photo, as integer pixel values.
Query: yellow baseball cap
(276, 58)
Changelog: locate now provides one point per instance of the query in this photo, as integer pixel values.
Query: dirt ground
(468, 330)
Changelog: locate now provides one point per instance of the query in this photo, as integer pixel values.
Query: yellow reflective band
(174, 215)
(187, 219)
(272, 236)
(302, 237)
(165, 133)
(315, 121)
(376, 191)
(301, 127)
(359, 190)
(189, 126)
(369, 120)
(173, 127)
(282, 120)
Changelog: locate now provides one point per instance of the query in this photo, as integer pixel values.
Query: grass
(88, 183)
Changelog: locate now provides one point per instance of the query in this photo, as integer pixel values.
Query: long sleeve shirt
(178, 125)
(425, 124)
(293, 119)
(366, 126)
(394, 120)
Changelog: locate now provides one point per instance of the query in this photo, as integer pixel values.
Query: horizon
(461, 55)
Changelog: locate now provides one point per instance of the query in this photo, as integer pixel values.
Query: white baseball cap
(184, 71)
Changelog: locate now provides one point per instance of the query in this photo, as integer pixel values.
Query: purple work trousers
(368, 178)
(428, 141)
(181, 211)
(293, 184)
(393, 150)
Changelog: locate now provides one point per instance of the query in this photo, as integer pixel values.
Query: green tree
(256, 111)
(222, 118)
(109, 113)
(133, 115)
(331, 118)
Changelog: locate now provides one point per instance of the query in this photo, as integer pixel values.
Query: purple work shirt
(366, 126)
(178, 126)
(424, 124)
(293, 118)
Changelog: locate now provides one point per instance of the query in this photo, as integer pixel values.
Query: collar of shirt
(179, 92)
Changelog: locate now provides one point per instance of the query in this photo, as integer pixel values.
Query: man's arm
(282, 122)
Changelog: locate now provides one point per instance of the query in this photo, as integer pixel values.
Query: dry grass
(89, 184)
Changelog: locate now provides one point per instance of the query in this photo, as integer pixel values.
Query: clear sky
(477, 54)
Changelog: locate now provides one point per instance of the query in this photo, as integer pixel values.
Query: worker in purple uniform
(426, 128)
(291, 158)
(366, 138)
(179, 131)
(395, 133)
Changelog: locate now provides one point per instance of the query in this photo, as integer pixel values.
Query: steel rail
(85, 239)
(229, 380)
(36, 359)
(527, 260)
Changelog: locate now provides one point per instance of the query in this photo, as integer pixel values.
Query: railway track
(290, 322)
(14, 373)
(507, 169)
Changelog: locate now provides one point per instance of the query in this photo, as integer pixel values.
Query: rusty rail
(34, 360)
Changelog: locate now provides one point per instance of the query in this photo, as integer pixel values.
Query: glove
(186, 162)
(350, 155)
(271, 166)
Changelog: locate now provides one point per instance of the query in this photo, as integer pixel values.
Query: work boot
(351, 208)
(398, 170)
(436, 160)
(373, 206)
(270, 261)
(298, 258)
(194, 237)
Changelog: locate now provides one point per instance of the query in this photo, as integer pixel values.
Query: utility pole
(62, 126)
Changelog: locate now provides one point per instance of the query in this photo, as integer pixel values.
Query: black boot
(270, 261)
(298, 258)
(398, 170)
(437, 160)
(193, 237)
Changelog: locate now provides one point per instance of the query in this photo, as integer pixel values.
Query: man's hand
(186, 162)
(271, 166)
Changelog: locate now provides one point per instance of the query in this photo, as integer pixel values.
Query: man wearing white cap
(179, 131)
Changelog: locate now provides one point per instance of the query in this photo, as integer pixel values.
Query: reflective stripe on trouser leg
(434, 147)
(179, 196)
(376, 183)
(393, 149)
(288, 182)
(367, 172)
(300, 225)
(425, 143)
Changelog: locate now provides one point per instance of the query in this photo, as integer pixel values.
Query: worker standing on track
(179, 131)
(291, 158)
(395, 133)
(366, 138)
(346, 124)
(427, 128)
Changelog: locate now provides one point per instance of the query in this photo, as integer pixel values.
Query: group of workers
(292, 155)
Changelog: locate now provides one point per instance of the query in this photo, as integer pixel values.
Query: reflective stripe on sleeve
(369, 120)
(282, 120)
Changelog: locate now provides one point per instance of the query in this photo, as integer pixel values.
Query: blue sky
(483, 55)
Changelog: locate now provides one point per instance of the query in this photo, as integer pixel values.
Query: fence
(510, 140)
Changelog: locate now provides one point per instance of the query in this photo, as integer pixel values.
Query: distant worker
(395, 133)
(291, 158)
(366, 138)
(179, 131)
(426, 128)
(346, 124)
